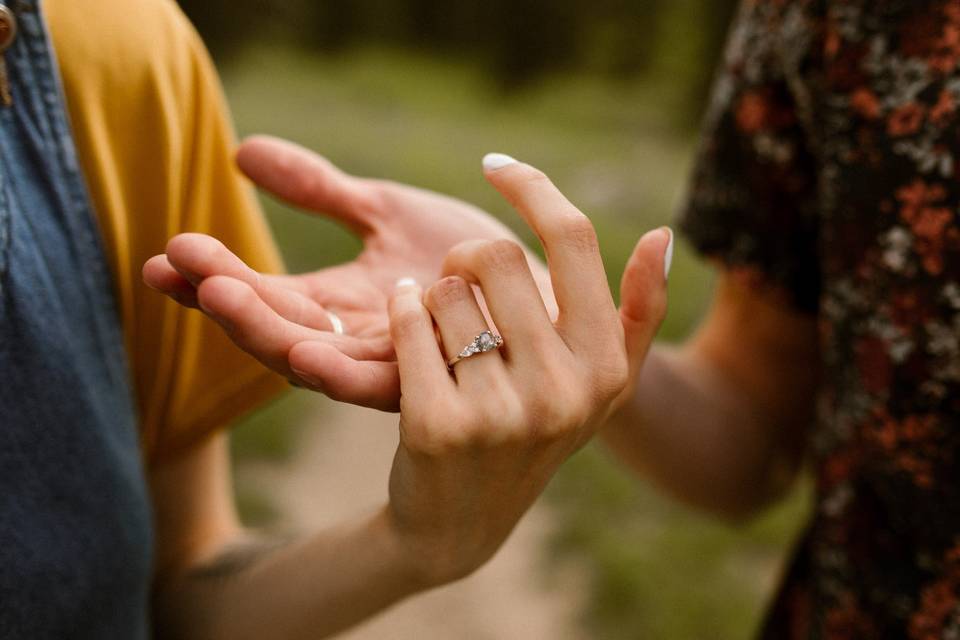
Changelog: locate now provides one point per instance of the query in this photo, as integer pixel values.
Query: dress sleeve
(156, 144)
(752, 204)
(210, 382)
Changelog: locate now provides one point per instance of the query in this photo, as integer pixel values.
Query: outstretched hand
(283, 320)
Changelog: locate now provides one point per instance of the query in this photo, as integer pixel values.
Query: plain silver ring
(337, 323)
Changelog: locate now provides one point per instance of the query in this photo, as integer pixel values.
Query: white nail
(668, 256)
(406, 282)
(494, 161)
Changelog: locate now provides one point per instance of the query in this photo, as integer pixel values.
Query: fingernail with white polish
(668, 255)
(494, 161)
(406, 282)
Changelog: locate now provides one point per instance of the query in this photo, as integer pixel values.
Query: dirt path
(342, 469)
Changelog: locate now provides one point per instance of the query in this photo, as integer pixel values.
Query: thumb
(307, 180)
(643, 293)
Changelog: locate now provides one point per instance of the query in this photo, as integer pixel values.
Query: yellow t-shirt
(156, 145)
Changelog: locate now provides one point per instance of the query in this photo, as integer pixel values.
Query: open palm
(283, 320)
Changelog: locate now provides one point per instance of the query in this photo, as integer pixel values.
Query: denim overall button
(8, 27)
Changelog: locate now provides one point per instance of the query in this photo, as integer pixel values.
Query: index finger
(570, 241)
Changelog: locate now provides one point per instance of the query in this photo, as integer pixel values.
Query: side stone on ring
(486, 341)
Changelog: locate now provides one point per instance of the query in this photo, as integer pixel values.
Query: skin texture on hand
(281, 320)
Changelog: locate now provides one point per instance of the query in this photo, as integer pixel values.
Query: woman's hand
(478, 446)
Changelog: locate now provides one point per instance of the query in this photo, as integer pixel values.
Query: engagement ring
(486, 341)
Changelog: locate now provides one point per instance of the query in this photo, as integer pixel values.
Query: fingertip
(152, 271)
(309, 360)
(496, 161)
(250, 152)
(197, 256)
(190, 248)
(223, 296)
(408, 314)
(411, 325)
(404, 284)
(510, 176)
(654, 248)
(186, 240)
(257, 140)
(406, 288)
(245, 151)
(160, 276)
(644, 285)
(515, 180)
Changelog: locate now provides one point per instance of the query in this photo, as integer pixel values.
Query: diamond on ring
(486, 341)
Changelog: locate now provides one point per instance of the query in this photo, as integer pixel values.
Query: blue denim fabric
(75, 529)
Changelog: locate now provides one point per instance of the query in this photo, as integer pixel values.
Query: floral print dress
(831, 166)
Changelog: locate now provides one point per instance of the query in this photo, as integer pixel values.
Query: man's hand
(283, 320)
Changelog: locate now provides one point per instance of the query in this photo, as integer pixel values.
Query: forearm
(694, 431)
(308, 589)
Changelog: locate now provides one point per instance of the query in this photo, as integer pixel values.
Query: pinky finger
(326, 369)
(421, 363)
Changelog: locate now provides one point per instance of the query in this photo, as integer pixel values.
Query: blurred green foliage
(516, 43)
(658, 570)
(655, 569)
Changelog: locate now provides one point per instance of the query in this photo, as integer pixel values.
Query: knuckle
(374, 196)
(440, 442)
(431, 435)
(611, 374)
(546, 413)
(577, 410)
(497, 421)
(501, 256)
(577, 232)
(544, 345)
(447, 292)
(504, 417)
(501, 421)
(561, 421)
(558, 408)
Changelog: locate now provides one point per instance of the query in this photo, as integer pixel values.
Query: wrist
(427, 557)
(403, 562)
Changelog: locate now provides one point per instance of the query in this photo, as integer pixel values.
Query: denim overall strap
(75, 529)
